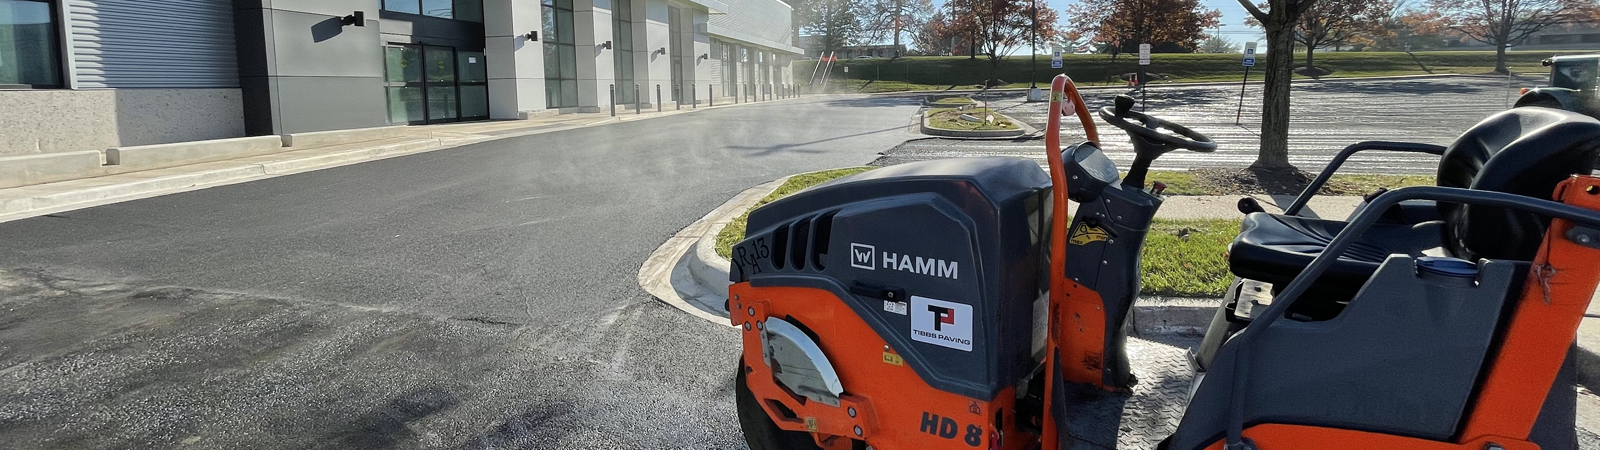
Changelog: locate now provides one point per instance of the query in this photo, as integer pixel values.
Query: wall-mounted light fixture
(532, 35)
(662, 50)
(359, 18)
(705, 56)
(606, 45)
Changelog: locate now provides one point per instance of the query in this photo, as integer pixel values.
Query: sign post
(1144, 61)
(1249, 61)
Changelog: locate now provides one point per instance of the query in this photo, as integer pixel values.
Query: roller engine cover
(943, 259)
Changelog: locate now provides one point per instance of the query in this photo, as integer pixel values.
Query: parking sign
(1250, 54)
(1055, 59)
(1144, 54)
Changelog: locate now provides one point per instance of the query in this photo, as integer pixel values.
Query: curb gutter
(674, 271)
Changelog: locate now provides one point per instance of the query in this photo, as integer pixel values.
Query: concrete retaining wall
(55, 121)
(49, 167)
(146, 157)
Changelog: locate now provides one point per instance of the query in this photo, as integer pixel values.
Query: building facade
(94, 74)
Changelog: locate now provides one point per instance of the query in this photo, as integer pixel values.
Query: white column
(515, 63)
(657, 67)
(596, 68)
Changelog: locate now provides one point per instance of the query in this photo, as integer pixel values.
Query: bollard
(613, 100)
(694, 103)
(736, 93)
(712, 99)
(677, 91)
(638, 103)
(658, 97)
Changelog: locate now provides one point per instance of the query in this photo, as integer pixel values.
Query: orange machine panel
(894, 408)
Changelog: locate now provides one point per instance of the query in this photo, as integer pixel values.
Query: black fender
(1551, 97)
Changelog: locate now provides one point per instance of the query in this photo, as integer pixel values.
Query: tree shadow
(389, 425)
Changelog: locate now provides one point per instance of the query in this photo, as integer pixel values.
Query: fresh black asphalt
(483, 296)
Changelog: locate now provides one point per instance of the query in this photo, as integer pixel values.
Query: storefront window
(29, 49)
(560, 55)
(468, 10)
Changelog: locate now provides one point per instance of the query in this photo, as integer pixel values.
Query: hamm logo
(861, 256)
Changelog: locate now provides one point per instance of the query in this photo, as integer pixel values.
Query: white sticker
(895, 307)
(472, 60)
(941, 323)
(862, 256)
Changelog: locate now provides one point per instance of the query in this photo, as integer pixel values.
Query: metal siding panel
(761, 19)
(154, 44)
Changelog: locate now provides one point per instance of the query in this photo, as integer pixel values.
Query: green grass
(959, 72)
(734, 232)
(1186, 183)
(950, 119)
(1184, 258)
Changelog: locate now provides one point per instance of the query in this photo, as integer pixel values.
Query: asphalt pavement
(1326, 116)
(478, 297)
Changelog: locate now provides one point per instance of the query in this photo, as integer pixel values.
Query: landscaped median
(964, 117)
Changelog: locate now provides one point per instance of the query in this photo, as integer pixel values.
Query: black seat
(1524, 151)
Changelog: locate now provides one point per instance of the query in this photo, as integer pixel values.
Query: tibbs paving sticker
(941, 323)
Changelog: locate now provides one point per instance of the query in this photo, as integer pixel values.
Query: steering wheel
(1149, 129)
(1149, 142)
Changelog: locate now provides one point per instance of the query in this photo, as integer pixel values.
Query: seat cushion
(1274, 248)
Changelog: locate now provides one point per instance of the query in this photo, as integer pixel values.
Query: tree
(1505, 23)
(1279, 21)
(1001, 26)
(938, 36)
(1124, 24)
(891, 19)
(831, 22)
(1218, 44)
(1329, 23)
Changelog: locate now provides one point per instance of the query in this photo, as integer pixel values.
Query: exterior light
(532, 35)
(359, 18)
(606, 45)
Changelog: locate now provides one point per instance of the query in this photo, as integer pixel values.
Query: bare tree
(1505, 23)
(1330, 23)
(1004, 25)
(882, 20)
(1279, 21)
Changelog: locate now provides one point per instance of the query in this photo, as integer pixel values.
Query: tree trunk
(1500, 58)
(1309, 59)
(1274, 154)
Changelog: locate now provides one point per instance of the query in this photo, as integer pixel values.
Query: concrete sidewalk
(313, 151)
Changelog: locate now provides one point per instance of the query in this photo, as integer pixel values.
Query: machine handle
(1338, 160)
(1364, 220)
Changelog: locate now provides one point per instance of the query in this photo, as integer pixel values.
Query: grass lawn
(1186, 183)
(734, 232)
(1181, 257)
(950, 119)
(959, 72)
(953, 101)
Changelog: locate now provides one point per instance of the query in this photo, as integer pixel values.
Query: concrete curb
(673, 272)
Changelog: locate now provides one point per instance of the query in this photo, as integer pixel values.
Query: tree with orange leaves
(1506, 23)
(1124, 24)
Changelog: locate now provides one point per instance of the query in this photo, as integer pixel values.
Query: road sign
(1249, 54)
(1144, 54)
(1055, 59)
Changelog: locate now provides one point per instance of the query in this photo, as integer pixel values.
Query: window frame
(63, 60)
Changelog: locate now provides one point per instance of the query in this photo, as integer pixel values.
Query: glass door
(441, 83)
(474, 85)
(403, 73)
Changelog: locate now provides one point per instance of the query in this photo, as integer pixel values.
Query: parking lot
(1327, 116)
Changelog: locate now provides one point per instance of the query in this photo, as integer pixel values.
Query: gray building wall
(141, 73)
(301, 70)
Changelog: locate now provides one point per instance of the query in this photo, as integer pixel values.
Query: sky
(1233, 15)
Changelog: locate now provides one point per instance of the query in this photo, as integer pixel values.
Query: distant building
(1570, 36)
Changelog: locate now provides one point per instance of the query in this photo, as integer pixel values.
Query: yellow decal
(1085, 233)
(1055, 96)
(890, 358)
(811, 424)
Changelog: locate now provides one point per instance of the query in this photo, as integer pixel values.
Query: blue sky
(1233, 15)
